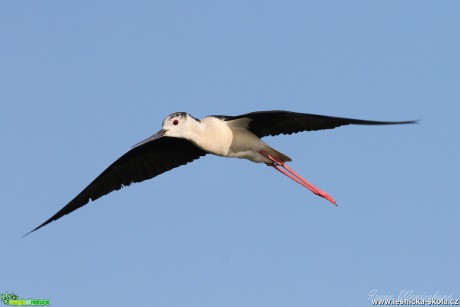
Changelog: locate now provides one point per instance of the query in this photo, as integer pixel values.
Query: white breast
(214, 136)
(230, 139)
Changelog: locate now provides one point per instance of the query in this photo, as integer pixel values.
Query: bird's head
(179, 124)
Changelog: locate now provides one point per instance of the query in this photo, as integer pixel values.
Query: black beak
(157, 135)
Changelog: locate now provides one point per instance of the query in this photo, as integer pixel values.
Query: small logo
(12, 299)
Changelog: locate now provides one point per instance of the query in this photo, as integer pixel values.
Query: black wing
(266, 123)
(140, 163)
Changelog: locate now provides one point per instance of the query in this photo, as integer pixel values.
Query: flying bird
(185, 138)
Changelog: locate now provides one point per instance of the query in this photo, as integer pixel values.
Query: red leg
(289, 172)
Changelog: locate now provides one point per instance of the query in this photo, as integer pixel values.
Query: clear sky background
(82, 81)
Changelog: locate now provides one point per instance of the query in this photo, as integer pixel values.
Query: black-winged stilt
(185, 138)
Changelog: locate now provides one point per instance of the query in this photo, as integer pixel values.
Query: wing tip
(412, 121)
(38, 227)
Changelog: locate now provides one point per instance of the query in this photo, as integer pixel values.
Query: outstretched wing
(142, 162)
(266, 123)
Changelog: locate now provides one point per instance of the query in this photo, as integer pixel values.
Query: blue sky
(81, 82)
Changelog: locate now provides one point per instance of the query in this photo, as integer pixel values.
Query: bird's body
(230, 139)
(210, 134)
(185, 138)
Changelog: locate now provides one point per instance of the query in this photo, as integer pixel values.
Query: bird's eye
(175, 122)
